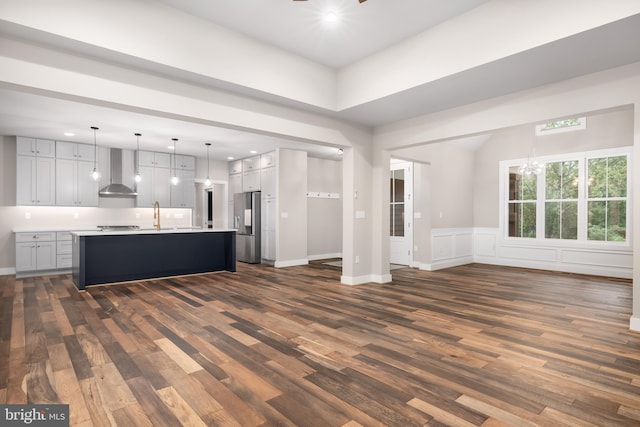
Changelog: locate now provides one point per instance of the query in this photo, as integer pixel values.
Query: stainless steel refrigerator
(246, 219)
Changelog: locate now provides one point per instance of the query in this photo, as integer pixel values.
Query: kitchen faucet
(156, 215)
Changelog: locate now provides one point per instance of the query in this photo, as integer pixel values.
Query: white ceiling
(296, 26)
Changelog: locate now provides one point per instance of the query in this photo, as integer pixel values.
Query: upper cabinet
(156, 175)
(35, 177)
(74, 165)
(35, 147)
(184, 162)
(235, 167)
(250, 164)
(268, 160)
(73, 151)
(158, 160)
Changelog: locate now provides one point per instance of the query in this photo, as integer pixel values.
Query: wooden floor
(468, 346)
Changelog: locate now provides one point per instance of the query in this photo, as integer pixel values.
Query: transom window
(581, 197)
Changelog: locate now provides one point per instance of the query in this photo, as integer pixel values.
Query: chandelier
(531, 167)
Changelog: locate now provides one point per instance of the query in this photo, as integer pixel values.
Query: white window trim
(582, 211)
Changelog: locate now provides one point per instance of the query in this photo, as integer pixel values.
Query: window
(607, 199)
(566, 125)
(561, 200)
(397, 202)
(522, 204)
(578, 197)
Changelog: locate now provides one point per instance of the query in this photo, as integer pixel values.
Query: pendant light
(174, 177)
(95, 175)
(207, 182)
(137, 177)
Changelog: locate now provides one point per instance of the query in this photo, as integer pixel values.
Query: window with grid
(579, 197)
(607, 198)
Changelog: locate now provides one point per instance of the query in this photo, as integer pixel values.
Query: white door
(401, 213)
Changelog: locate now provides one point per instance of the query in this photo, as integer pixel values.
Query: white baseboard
(7, 271)
(291, 263)
(452, 262)
(384, 278)
(325, 256)
(634, 323)
(358, 280)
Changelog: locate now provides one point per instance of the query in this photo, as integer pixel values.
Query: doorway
(214, 212)
(400, 212)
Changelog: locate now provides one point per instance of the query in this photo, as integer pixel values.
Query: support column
(380, 214)
(357, 214)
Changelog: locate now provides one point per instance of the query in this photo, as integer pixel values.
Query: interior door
(401, 213)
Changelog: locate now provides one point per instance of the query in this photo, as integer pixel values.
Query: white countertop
(151, 231)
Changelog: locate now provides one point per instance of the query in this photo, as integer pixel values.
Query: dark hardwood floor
(467, 346)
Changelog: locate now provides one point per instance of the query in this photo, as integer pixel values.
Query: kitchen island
(100, 257)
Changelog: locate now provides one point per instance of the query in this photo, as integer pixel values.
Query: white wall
(324, 225)
(452, 172)
(291, 230)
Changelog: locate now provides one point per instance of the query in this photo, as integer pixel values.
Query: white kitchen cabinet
(235, 167)
(35, 147)
(251, 180)
(63, 250)
(183, 162)
(268, 182)
(35, 251)
(268, 229)
(250, 164)
(74, 184)
(183, 194)
(35, 180)
(74, 151)
(155, 186)
(268, 160)
(152, 158)
(235, 185)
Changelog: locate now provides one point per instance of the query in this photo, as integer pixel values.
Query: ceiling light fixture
(230, 158)
(95, 175)
(330, 17)
(207, 182)
(253, 152)
(531, 167)
(69, 134)
(174, 178)
(137, 177)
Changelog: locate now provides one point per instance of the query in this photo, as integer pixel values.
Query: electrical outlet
(357, 259)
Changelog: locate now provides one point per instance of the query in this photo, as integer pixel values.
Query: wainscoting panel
(490, 248)
(528, 253)
(451, 247)
(598, 258)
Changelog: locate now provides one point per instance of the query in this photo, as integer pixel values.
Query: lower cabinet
(36, 251)
(63, 250)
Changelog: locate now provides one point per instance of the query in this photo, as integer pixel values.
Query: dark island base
(106, 258)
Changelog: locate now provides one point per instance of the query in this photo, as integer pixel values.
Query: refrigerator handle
(236, 221)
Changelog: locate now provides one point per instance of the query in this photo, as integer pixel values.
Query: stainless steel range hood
(116, 188)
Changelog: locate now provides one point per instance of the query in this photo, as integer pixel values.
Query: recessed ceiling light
(253, 151)
(69, 134)
(230, 158)
(330, 17)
